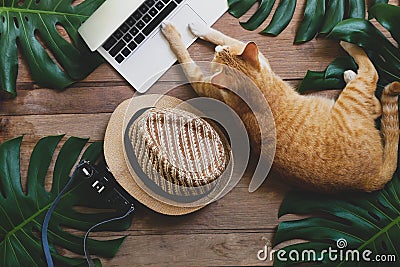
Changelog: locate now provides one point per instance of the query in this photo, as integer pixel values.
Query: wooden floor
(228, 232)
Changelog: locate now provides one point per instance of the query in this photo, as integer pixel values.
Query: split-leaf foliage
(35, 28)
(22, 213)
(368, 221)
(383, 53)
(319, 16)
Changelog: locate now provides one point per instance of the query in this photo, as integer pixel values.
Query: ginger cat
(322, 144)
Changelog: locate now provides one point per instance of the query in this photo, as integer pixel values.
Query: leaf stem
(36, 214)
(383, 230)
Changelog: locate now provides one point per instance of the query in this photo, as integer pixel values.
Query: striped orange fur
(322, 144)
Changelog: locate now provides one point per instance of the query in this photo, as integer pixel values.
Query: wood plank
(204, 249)
(34, 127)
(215, 249)
(259, 209)
(96, 98)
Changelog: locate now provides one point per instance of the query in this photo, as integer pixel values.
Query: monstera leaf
(384, 55)
(319, 16)
(354, 222)
(331, 78)
(22, 214)
(35, 26)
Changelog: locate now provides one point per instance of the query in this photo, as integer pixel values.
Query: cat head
(246, 60)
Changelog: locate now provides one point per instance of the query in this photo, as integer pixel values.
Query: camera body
(103, 184)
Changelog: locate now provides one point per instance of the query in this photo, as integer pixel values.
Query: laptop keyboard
(138, 26)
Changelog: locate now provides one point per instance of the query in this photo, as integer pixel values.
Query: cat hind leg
(376, 110)
(349, 75)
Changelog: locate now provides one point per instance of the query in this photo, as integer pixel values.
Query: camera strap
(45, 226)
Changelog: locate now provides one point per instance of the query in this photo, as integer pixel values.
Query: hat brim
(114, 152)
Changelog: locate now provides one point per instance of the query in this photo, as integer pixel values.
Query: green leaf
(239, 8)
(316, 81)
(233, 2)
(375, 2)
(260, 16)
(331, 78)
(356, 9)
(366, 221)
(22, 214)
(31, 26)
(363, 33)
(388, 16)
(312, 21)
(333, 16)
(372, 3)
(337, 67)
(281, 19)
(317, 16)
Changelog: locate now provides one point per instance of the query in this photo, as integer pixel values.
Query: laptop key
(150, 3)
(143, 8)
(179, 1)
(119, 58)
(124, 28)
(118, 47)
(109, 43)
(140, 24)
(130, 21)
(137, 15)
(140, 38)
(157, 20)
(146, 18)
(118, 34)
(166, 1)
(132, 45)
(159, 5)
(126, 52)
(134, 31)
(127, 37)
(153, 12)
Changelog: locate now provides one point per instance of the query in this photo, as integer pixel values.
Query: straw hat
(175, 153)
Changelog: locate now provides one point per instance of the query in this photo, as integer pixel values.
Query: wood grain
(228, 232)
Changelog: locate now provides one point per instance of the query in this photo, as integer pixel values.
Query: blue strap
(87, 255)
(45, 242)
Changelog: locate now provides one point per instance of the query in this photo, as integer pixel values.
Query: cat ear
(250, 54)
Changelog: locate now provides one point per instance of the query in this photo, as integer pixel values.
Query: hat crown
(179, 146)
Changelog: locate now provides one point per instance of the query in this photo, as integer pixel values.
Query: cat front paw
(198, 29)
(349, 75)
(169, 30)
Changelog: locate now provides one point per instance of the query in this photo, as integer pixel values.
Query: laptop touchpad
(155, 56)
(181, 20)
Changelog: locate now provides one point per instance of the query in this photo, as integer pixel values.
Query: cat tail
(390, 131)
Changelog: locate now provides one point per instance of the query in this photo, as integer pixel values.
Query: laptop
(127, 34)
